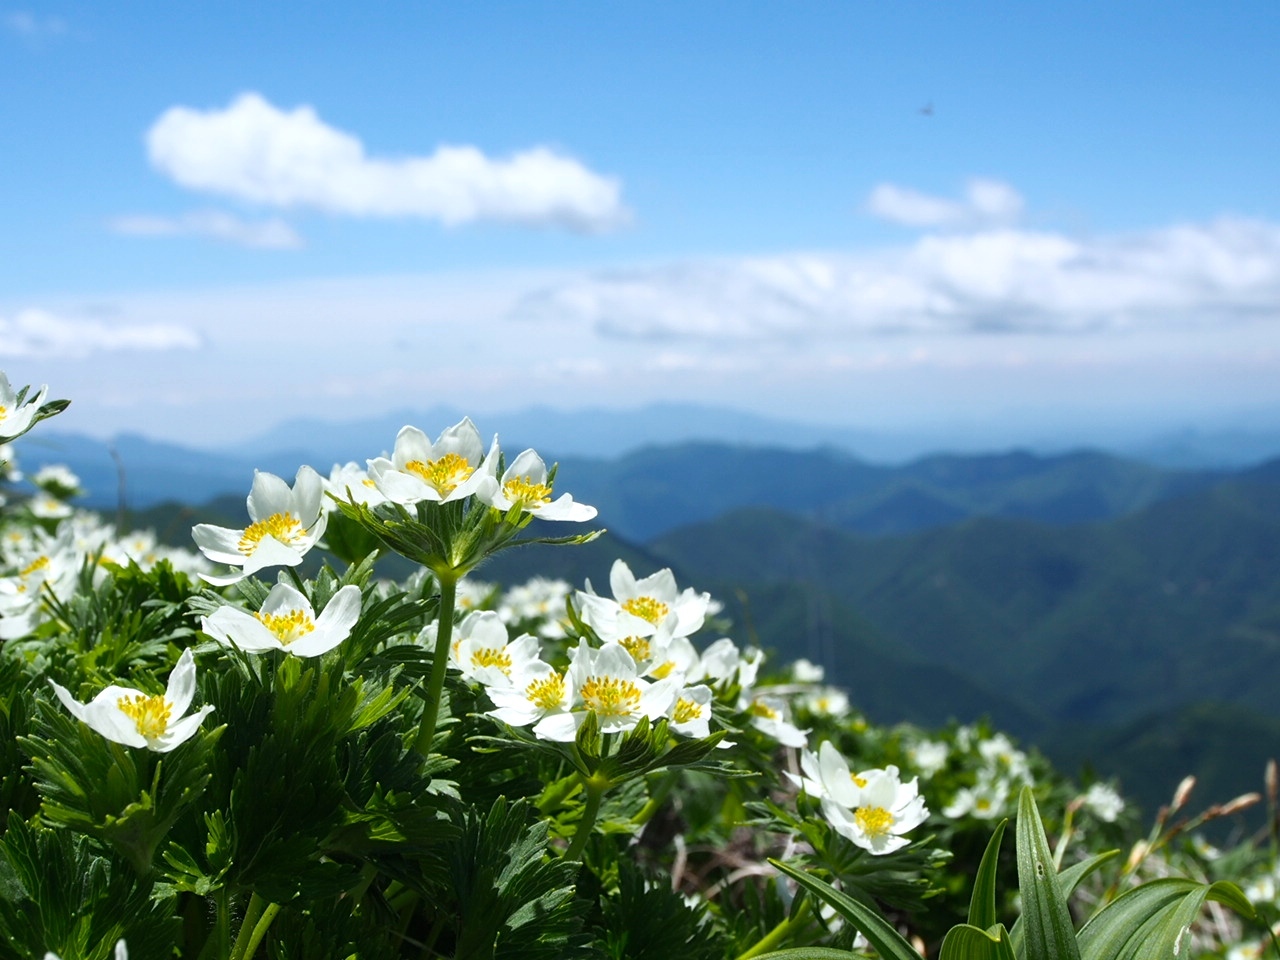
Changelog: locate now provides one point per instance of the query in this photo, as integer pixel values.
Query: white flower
(604, 682)
(826, 702)
(287, 522)
(536, 692)
(827, 776)
(45, 507)
(722, 663)
(350, 481)
(985, 800)
(769, 716)
(539, 600)
(136, 719)
(928, 756)
(452, 468)
(690, 714)
(885, 809)
(288, 622)
(57, 480)
(525, 485)
(638, 606)
(805, 671)
(14, 419)
(481, 649)
(998, 751)
(1103, 802)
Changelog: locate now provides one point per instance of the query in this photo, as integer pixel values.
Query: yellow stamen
(610, 696)
(492, 657)
(662, 670)
(874, 821)
(858, 781)
(284, 527)
(287, 627)
(523, 492)
(686, 710)
(444, 474)
(546, 694)
(149, 714)
(761, 709)
(639, 648)
(39, 563)
(646, 608)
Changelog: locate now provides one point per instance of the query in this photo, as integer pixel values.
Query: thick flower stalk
(136, 719)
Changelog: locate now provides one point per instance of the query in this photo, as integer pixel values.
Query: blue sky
(1017, 218)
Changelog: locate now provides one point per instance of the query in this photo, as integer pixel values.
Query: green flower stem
(780, 933)
(659, 796)
(439, 661)
(595, 793)
(251, 914)
(260, 931)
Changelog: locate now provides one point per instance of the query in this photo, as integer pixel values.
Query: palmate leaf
(889, 943)
(1154, 920)
(1048, 933)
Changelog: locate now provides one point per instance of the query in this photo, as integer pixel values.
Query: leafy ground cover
(264, 749)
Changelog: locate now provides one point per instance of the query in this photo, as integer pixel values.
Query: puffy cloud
(985, 202)
(272, 234)
(31, 27)
(37, 333)
(998, 280)
(256, 152)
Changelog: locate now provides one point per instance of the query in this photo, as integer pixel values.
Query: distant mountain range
(154, 471)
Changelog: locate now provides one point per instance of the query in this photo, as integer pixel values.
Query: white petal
(180, 732)
(182, 683)
(268, 496)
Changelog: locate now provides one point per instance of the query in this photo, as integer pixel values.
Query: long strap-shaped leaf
(1153, 920)
(1068, 880)
(982, 905)
(1047, 934)
(810, 953)
(967, 942)
(888, 942)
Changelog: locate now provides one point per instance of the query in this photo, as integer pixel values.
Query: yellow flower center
(546, 694)
(287, 627)
(523, 492)
(39, 563)
(686, 710)
(982, 803)
(284, 527)
(149, 714)
(610, 696)
(639, 648)
(874, 821)
(662, 670)
(444, 474)
(857, 780)
(491, 657)
(761, 709)
(646, 608)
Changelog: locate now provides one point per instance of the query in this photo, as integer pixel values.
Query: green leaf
(967, 942)
(888, 942)
(1048, 932)
(808, 953)
(1068, 880)
(982, 905)
(1151, 920)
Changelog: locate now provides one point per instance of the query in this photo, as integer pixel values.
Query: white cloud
(256, 152)
(29, 26)
(274, 234)
(38, 333)
(986, 202)
(998, 280)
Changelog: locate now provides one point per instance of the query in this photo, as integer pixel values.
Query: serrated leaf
(1047, 933)
(889, 943)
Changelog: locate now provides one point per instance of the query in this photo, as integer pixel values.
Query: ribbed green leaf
(982, 905)
(967, 942)
(809, 953)
(1047, 932)
(1068, 880)
(1151, 920)
(889, 943)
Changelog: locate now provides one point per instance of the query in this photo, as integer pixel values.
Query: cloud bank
(994, 280)
(272, 234)
(986, 202)
(38, 333)
(256, 152)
